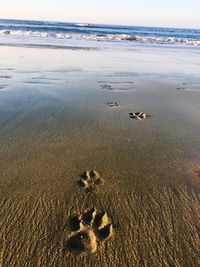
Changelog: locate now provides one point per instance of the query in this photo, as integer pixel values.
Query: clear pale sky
(171, 13)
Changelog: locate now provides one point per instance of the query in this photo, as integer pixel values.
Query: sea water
(61, 34)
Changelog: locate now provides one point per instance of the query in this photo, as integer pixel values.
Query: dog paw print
(197, 172)
(5, 77)
(138, 115)
(90, 180)
(106, 86)
(88, 231)
(113, 104)
(180, 88)
(2, 86)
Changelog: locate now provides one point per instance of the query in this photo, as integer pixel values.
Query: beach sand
(138, 204)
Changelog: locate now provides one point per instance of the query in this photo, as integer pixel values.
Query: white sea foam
(102, 37)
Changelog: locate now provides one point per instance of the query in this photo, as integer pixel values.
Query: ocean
(60, 34)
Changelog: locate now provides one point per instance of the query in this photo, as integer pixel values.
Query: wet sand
(55, 123)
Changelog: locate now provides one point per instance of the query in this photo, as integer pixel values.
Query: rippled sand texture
(82, 183)
(158, 228)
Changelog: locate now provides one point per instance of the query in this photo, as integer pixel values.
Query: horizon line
(106, 24)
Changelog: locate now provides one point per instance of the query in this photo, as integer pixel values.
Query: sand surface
(82, 182)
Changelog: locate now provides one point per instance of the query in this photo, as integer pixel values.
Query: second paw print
(90, 181)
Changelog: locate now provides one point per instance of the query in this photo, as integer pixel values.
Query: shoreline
(52, 43)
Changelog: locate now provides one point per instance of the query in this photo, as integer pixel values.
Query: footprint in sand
(90, 180)
(5, 77)
(138, 115)
(113, 104)
(2, 86)
(88, 231)
(180, 88)
(197, 172)
(106, 86)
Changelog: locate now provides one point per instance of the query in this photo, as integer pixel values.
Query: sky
(164, 13)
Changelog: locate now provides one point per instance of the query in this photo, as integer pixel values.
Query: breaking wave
(26, 30)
